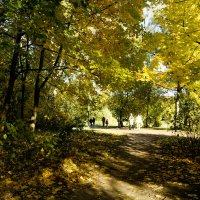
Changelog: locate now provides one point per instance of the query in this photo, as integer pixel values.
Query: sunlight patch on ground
(117, 164)
(154, 132)
(137, 153)
(119, 161)
(112, 131)
(69, 166)
(47, 177)
(126, 131)
(104, 183)
(119, 189)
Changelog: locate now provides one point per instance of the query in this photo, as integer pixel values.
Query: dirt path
(106, 164)
(138, 170)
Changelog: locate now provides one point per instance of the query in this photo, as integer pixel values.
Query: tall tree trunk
(35, 107)
(176, 112)
(12, 77)
(39, 86)
(23, 87)
(23, 99)
(37, 91)
(121, 118)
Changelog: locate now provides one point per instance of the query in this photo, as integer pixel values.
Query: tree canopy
(85, 49)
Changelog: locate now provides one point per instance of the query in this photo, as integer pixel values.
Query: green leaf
(5, 136)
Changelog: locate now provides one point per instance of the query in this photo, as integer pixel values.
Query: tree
(16, 27)
(66, 35)
(175, 48)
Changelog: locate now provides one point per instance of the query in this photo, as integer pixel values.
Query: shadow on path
(134, 167)
(111, 165)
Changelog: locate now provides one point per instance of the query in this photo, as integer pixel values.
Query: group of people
(104, 122)
(92, 121)
(138, 121)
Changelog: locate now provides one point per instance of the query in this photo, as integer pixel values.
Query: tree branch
(7, 34)
(53, 67)
(191, 55)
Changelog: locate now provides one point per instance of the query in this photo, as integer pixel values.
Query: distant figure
(103, 121)
(106, 123)
(131, 121)
(139, 121)
(93, 121)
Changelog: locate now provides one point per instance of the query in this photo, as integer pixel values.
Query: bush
(60, 123)
(186, 147)
(24, 149)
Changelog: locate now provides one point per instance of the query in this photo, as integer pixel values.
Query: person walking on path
(103, 121)
(139, 121)
(93, 121)
(131, 121)
(106, 123)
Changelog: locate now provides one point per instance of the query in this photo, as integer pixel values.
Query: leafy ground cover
(104, 164)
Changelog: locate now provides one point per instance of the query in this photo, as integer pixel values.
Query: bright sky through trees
(149, 22)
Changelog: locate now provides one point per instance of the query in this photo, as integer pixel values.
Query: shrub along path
(108, 164)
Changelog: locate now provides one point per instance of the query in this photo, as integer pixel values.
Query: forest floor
(108, 164)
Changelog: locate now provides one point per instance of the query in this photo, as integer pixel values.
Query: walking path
(106, 164)
(138, 170)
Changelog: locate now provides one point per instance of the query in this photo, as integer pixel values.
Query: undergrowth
(180, 146)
